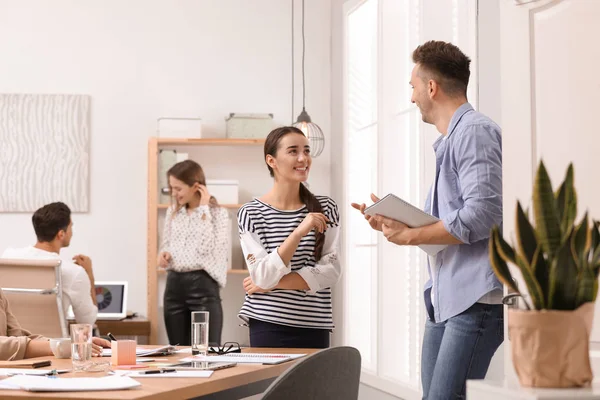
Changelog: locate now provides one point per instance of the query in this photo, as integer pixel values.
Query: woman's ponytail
(313, 205)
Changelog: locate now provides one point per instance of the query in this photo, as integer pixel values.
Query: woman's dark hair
(309, 199)
(189, 172)
(51, 219)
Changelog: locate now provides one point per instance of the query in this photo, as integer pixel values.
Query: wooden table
(232, 383)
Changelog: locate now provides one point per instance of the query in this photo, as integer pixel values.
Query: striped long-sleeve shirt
(263, 229)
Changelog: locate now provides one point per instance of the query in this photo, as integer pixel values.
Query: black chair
(329, 374)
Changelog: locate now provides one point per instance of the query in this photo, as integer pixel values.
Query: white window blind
(388, 150)
(361, 243)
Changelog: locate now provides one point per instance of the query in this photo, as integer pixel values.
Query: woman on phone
(194, 251)
(289, 238)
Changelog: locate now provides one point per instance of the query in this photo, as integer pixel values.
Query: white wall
(142, 59)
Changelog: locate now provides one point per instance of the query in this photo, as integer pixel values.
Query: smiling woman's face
(292, 160)
(181, 191)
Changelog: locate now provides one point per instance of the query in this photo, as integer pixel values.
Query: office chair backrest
(329, 374)
(34, 291)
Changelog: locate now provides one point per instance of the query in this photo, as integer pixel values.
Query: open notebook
(250, 358)
(394, 207)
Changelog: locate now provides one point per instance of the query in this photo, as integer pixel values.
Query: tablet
(202, 365)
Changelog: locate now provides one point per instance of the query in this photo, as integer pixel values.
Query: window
(362, 176)
(388, 150)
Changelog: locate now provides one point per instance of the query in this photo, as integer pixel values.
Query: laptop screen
(110, 298)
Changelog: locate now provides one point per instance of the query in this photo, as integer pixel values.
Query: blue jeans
(458, 349)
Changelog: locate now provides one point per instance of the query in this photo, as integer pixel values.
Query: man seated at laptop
(17, 343)
(54, 229)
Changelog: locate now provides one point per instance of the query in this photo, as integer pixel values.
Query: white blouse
(198, 241)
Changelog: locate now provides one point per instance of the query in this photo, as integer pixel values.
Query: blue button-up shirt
(468, 199)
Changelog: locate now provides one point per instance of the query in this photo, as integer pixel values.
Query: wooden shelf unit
(154, 145)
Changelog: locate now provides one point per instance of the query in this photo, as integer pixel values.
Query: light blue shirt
(468, 199)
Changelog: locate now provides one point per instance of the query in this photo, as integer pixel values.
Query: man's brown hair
(51, 219)
(445, 63)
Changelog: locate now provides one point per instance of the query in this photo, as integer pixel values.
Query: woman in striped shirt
(289, 238)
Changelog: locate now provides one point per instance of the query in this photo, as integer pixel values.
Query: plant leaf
(596, 269)
(566, 200)
(596, 256)
(504, 249)
(499, 266)
(579, 241)
(526, 240)
(546, 215)
(586, 285)
(533, 287)
(594, 241)
(563, 279)
(541, 273)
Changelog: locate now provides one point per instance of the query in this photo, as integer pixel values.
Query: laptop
(112, 300)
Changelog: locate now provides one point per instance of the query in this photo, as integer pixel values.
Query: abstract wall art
(44, 151)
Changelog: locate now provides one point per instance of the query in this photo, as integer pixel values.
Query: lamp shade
(312, 131)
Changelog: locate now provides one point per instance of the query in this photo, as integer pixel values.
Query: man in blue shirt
(463, 297)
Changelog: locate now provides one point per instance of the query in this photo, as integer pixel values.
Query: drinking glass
(200, 332)
(81, 346)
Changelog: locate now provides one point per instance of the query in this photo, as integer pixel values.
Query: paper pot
(550, 348)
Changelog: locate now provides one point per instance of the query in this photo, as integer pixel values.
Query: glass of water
(81, 346)
(200, 332)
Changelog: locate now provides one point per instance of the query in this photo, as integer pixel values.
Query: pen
(110, 335)
(157, 371)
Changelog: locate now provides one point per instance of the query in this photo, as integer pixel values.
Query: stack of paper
(45, 384)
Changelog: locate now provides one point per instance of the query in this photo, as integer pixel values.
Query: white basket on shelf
(225, 191)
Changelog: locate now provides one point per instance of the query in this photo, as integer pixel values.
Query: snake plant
(558, 259)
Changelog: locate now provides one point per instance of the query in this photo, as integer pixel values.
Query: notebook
(394, 207)
(249, 358)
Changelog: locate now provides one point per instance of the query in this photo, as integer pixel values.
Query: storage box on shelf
(248, 125)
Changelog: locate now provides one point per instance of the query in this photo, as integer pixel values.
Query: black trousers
(267, 334)
(187, 292)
